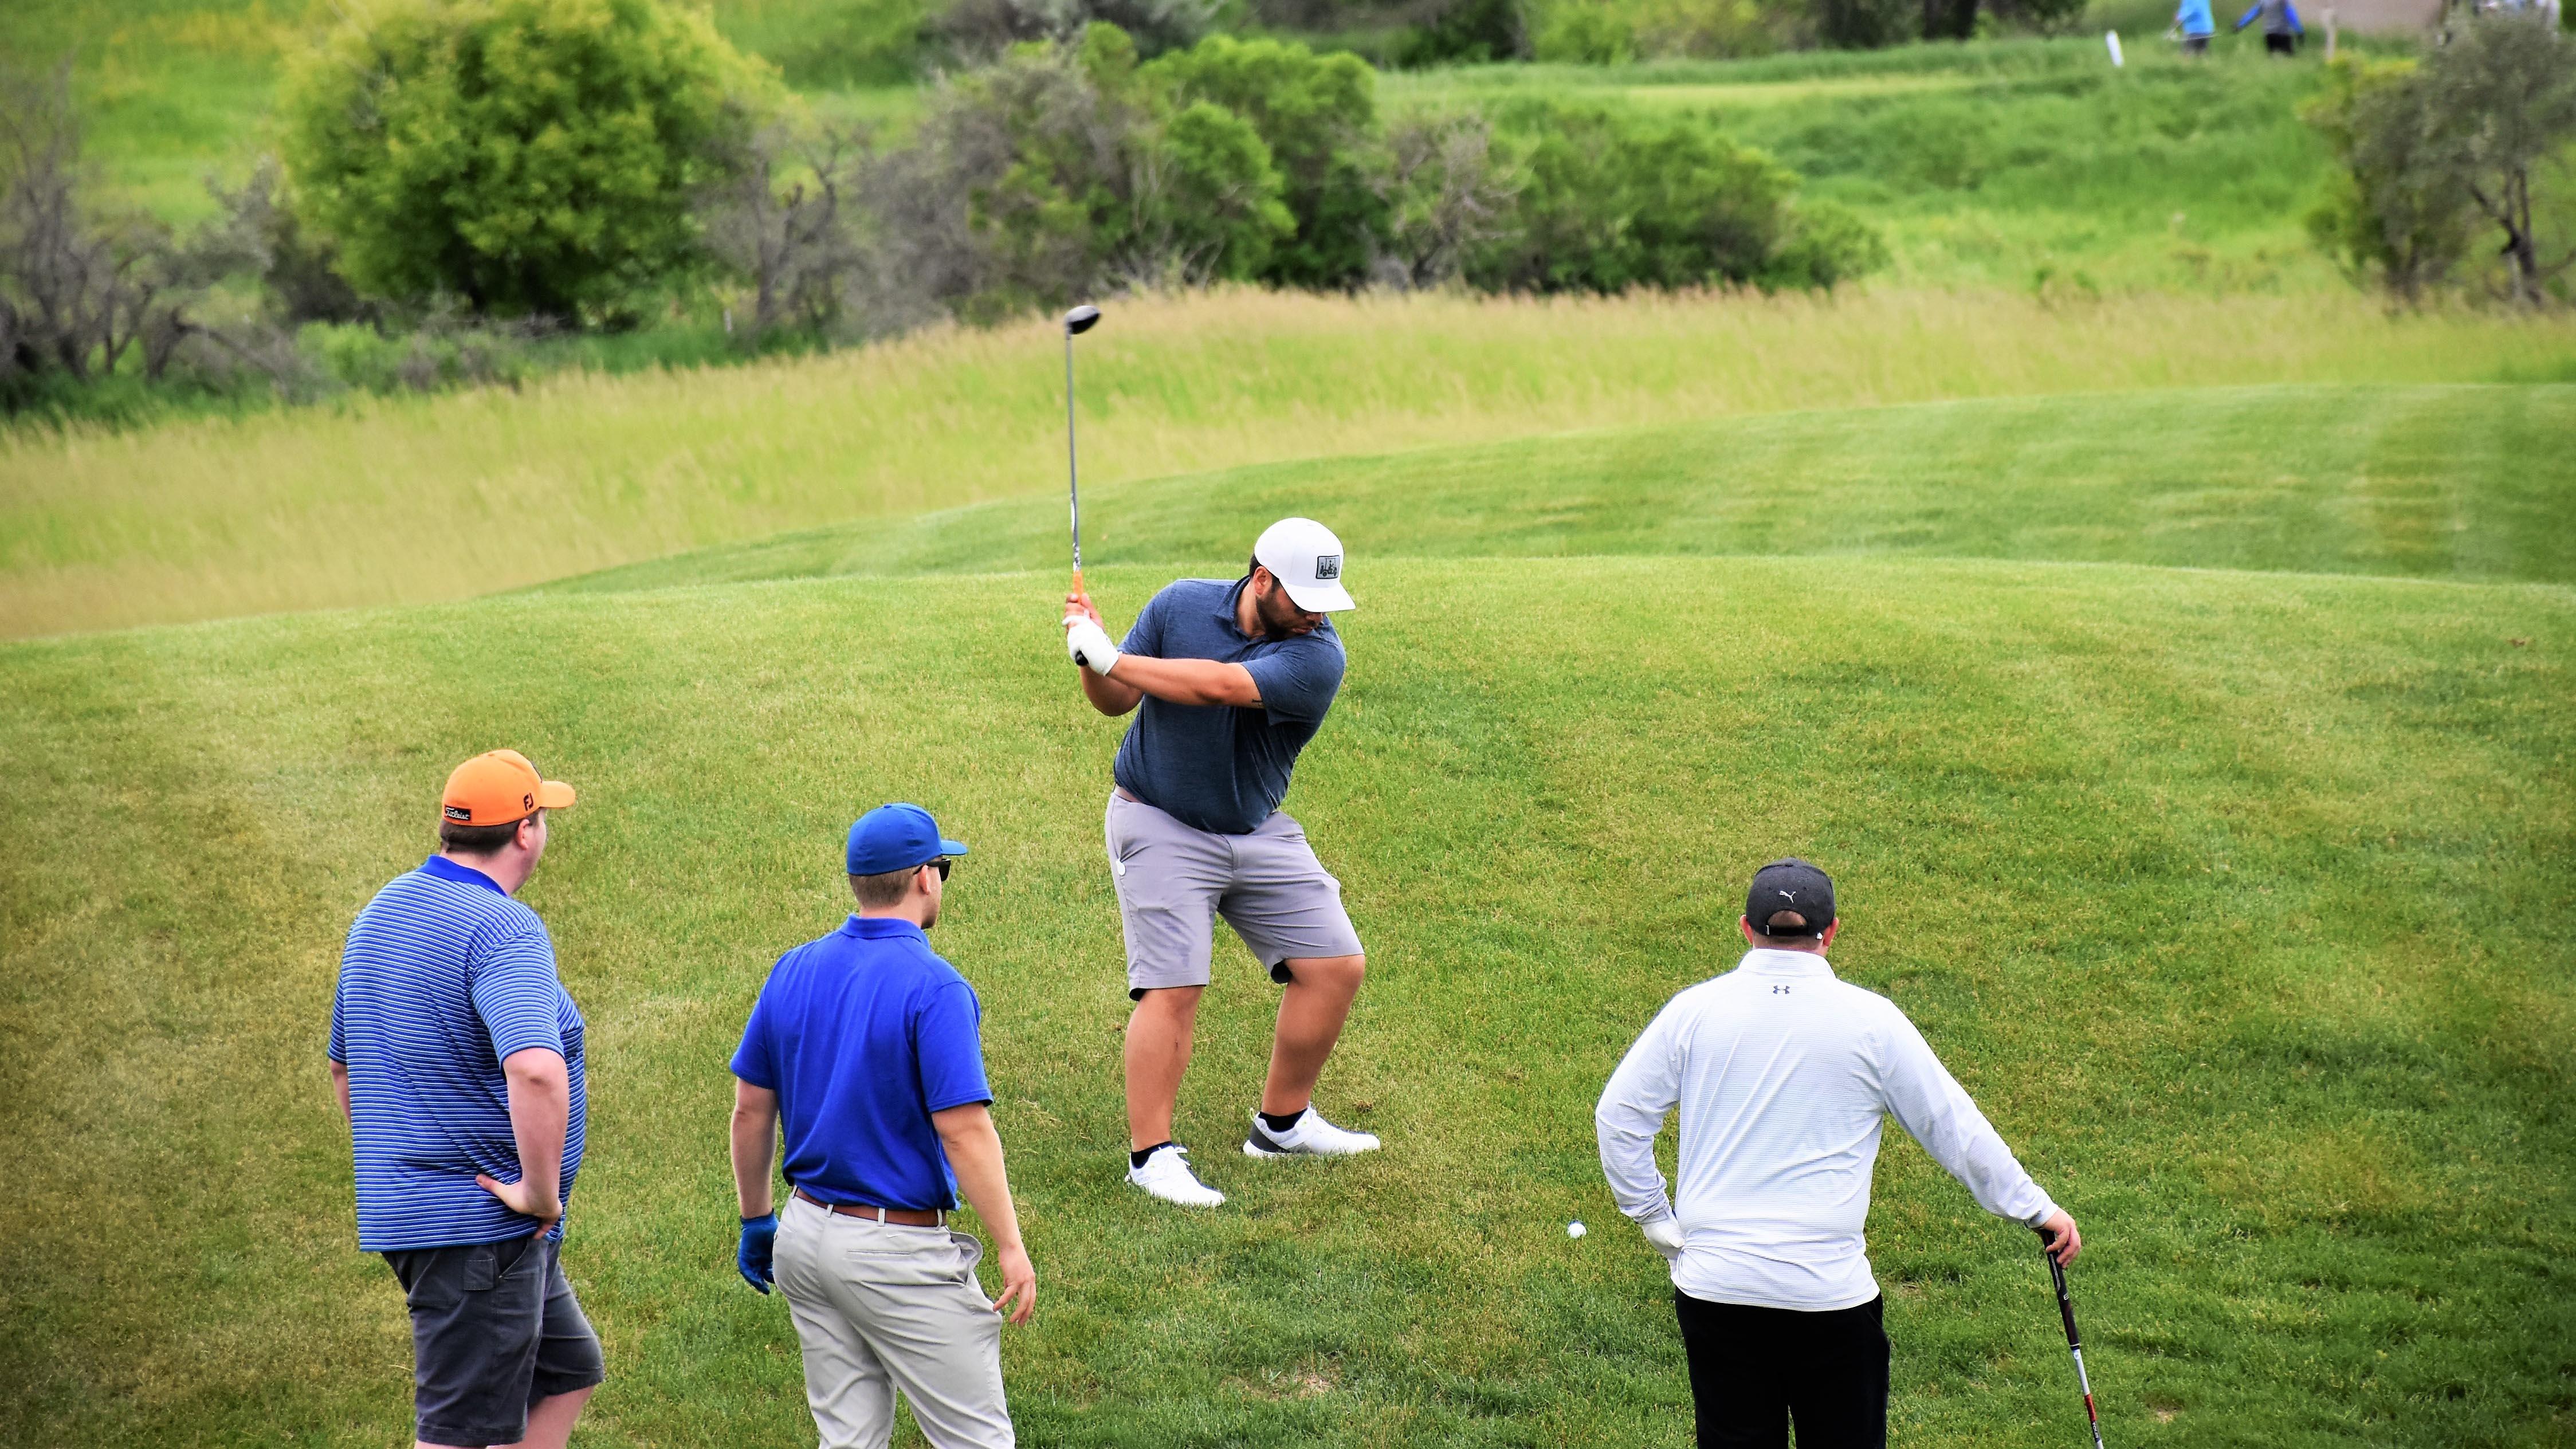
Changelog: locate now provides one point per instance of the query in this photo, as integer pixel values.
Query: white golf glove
(1664, 1235)
(1089, 644)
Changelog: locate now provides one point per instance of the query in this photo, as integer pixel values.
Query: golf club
(2074, 1345)
(1076, 322)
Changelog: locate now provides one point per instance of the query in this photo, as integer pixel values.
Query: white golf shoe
(1167, 1175)
(1311, 1137)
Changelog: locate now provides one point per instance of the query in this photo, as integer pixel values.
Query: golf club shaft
(2074, 1344)
(1072, 463)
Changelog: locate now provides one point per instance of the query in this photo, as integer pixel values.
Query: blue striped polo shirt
(443, 976)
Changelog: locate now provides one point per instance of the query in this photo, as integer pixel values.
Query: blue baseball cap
(897, 837)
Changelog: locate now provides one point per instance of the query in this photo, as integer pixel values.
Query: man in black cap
(1783, 1074)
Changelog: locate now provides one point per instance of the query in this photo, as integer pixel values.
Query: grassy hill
(411, 500)
(2241, 902)
(2019, 163)
(2458, 482)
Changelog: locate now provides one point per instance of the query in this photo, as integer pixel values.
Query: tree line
(459, 172)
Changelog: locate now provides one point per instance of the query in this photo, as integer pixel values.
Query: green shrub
(530, 157)
(1217, 209)
(1059, 172)
(1612, 201)
(1318, 116)
(1827, 245)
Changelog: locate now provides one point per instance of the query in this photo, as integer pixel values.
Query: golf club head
(1081, 319)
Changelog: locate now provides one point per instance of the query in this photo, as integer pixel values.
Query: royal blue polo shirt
(1220, 767)
(863, 1034)
(444, 976)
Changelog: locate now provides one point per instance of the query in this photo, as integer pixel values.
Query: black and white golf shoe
(1167, 1175)
(1312, 1136)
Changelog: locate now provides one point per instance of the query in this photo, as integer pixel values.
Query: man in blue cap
(865, 1046)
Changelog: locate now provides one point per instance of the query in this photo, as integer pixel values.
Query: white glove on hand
(1089, 644)
(1664, 1235)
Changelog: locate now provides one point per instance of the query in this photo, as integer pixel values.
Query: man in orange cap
(458, 1059)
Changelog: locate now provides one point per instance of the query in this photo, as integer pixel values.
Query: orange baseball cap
(499, 788)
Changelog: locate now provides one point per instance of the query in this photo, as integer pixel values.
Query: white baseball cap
(1307, 560)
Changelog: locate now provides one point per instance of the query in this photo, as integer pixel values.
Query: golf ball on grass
(1574, 1230)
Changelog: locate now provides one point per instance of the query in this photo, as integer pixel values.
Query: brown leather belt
(900, 1217)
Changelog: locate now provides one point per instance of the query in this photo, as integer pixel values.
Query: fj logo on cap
(1328, 566)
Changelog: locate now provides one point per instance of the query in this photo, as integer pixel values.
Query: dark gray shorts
(494, 1328)
(1174, 880)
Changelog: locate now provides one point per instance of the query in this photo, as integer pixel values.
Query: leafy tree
(1318, 116)
(530, 156)
(1213, 211)
(1450, 193)
(83, 297)
(2397, 206)
(2503, 93)
(1057, 173)
(2430, 151)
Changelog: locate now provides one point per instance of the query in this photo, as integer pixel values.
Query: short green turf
(2242, 902)
(2457, 482)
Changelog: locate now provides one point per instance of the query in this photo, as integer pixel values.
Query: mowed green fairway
(2242, 902)
(2459, 482)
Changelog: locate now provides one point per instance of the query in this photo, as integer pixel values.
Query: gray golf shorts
(494, 1328)
(1174, 880)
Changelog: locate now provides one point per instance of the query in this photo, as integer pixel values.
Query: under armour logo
(1780, 989)
(1328, 567)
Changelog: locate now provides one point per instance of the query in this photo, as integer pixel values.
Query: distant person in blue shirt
(2197, 24)
(2281, 27)
(1233, 679)
(457, 1055)
(865, 1051)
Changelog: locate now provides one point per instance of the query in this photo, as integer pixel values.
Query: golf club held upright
(1080, 320)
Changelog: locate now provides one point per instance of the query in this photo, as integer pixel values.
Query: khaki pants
(881, 1309)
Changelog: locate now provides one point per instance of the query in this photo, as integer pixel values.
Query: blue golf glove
(759, 1237)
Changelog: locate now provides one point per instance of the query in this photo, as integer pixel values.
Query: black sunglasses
(940, 865)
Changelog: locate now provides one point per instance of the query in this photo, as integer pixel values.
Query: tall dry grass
(391, 501)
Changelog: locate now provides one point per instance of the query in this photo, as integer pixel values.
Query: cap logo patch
(1328, 567)
(458, 813)
(528, 801)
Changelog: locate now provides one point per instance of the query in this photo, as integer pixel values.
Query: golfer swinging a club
(1234, 679)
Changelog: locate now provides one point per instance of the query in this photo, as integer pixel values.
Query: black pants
(1753, 1370)
(2280, 44)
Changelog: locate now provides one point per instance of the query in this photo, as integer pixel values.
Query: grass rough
(2427, 482)
(2240, 901)
(410, 500)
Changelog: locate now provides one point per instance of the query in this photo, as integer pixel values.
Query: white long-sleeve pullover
(1783, 1074)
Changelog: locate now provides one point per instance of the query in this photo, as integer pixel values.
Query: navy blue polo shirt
(863, 1034)
(1218, 767)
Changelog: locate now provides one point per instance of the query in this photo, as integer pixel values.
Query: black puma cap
(1787, 887)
